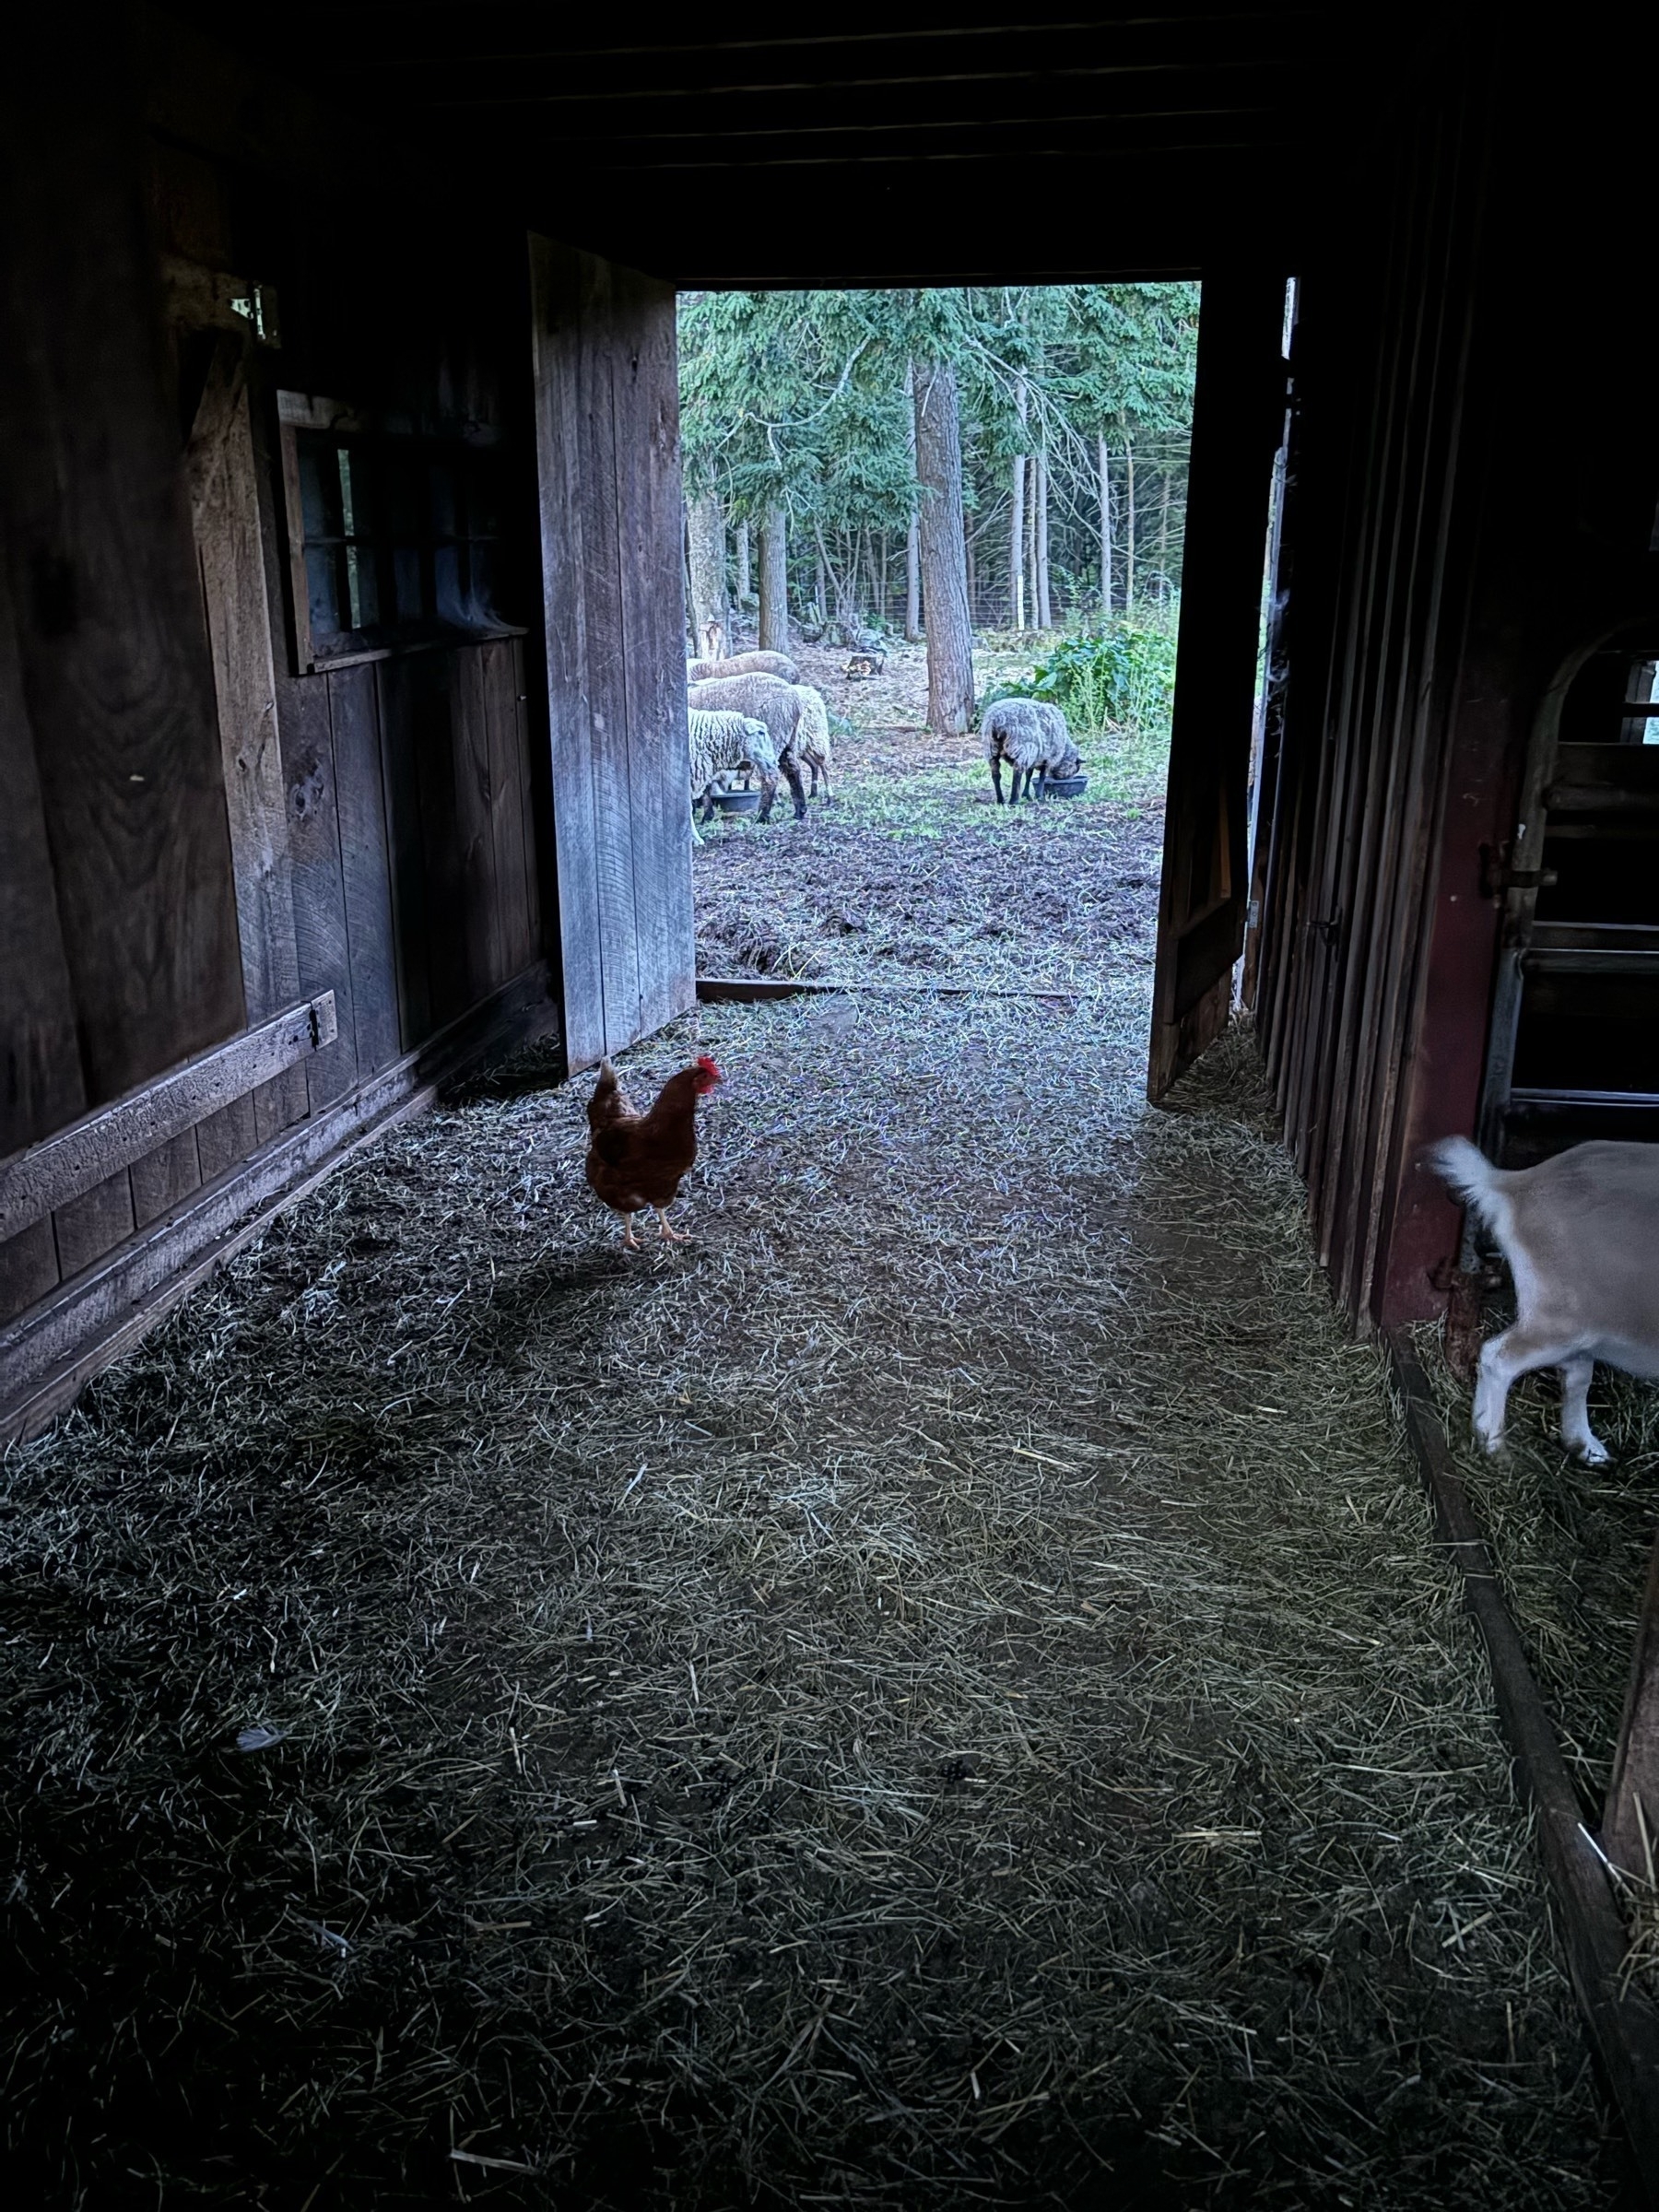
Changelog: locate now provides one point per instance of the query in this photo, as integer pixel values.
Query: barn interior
(884, 1713)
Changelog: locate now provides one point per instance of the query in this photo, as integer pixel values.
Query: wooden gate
(607, 436)
(1238, 422)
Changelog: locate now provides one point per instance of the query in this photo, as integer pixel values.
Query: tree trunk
(1030, 541)
(944, 550)
(881, 586)
(774, 582)
(708, 572)
(1163, 539)
(1045, 608)
(913, 537)
(743, 564)
(1016, 524)
(820, 590)
(1128, 525)
(1105, 524)
(844, 584)
(1017, 545)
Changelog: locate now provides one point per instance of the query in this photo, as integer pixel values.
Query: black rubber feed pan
(1065, 787)
(737, 802)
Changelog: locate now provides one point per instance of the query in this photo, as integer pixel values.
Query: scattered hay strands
(940, 1693)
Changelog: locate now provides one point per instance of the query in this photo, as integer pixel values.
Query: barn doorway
(823, 447)
(944, 510)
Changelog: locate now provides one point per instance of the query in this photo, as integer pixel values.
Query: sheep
(1579, 1232)
(744, 664)
(812, 741)
(770, 701)
(1033, 737)
(720, 741)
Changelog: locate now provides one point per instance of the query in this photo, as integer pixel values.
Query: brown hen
(638, 1160)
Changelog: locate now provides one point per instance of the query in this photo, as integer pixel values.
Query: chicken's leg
(672, 1236)
(629, 1241)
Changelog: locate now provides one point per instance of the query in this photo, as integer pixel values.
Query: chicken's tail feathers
(1467, 1172)
(603, 1100)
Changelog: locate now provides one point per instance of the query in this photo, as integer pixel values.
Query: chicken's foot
(629, 1241)
(672, 1236)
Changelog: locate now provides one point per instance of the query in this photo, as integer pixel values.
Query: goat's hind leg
(1576, 1432)
(1503, 1360)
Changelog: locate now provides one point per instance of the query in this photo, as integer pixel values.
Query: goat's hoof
(1592, 1454)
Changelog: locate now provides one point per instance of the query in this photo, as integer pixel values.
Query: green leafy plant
(1122, 675)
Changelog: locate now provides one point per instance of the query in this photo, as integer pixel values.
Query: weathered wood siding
(1239, 407)
(608, 421)
(1436, 574)
(198, 834)
(116, 901)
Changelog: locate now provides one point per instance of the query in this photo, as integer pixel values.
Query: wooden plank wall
(607, 429)
(195, 834)
(1435, 587)
(1371, 641)
(121, 946)
(1238, 412)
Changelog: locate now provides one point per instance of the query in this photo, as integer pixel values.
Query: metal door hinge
(1497, 877)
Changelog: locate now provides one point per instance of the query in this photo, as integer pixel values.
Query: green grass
(1126, 772)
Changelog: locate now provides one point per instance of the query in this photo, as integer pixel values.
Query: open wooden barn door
(1238, 422)
(607, 437)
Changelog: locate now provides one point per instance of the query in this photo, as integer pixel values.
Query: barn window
(395, 539)
(1612, 699)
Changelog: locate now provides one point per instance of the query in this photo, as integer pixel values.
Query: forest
(935, 464)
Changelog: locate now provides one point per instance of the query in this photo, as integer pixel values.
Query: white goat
(744, 664)
(770, 699)
(1033, 737)
(812, 737)
(1580, 1232)
(722, 741)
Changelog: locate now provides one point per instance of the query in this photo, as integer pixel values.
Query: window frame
(302, 412)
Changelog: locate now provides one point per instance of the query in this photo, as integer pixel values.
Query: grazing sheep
(744, 664)
(812, 739)
(1579, 1232)
(1033, 737)
(721, 741)
(770, 701)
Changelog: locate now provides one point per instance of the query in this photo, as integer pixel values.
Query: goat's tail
(1467, 1171)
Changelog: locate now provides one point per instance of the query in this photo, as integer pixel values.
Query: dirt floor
(938, 1693)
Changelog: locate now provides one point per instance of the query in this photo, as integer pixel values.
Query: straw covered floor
(938, 1693)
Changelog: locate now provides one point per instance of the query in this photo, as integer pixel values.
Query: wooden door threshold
(749, 990)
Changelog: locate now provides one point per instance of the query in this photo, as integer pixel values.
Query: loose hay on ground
(939, 1693)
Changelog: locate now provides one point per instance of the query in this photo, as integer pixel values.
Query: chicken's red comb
(706, 1068)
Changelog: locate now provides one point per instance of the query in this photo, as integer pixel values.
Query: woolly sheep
(721, 741)
(770, 701)
(812, 739)
(1033, 737)
(744, 664)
